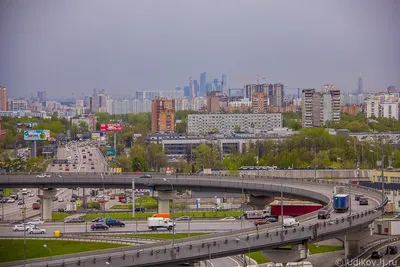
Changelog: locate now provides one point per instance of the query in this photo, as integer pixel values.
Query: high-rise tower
(360, 88)
(203, 84)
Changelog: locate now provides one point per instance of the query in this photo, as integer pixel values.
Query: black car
(323, 214)
(100, 226)
(391, 250)
(376, 255)
(145, 176)
(73, 200)
(61, 209)
(272, 219)
(21, 202)
(357, 197)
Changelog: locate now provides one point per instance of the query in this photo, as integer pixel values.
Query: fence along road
(220, 244)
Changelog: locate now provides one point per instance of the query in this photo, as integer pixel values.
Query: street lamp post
(242, 217)
(173, 213)
(51, 252)
(244, 258)
(104, 203)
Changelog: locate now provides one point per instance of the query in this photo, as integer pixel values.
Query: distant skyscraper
(3, 98)
(360, 89)
(216, 86)
(41, 95)
(196, 88)
(203, 84)
(224, 84)
(209, 86)
(186, 91)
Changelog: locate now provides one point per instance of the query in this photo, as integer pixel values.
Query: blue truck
(341, 202)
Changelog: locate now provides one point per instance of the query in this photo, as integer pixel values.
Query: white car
(289, 222)
(43, 175)
(11, 200)
(229, 219)
(36, 230)
(60, 199)
(20, 227)
(36, 222)
(31, 195)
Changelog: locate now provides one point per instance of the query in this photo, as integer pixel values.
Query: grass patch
(7, 192)
(314, 249)
(164, 235)
(13, 250)
(122, 207)
(58, 216)
(145, 215)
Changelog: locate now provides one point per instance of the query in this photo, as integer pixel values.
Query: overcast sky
(73, 46)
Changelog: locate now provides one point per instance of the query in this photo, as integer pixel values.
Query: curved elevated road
(221, 244)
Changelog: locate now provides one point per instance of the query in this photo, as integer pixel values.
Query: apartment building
(17, 104)
(203, 123)
(163, 115)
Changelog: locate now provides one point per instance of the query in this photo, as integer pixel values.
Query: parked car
(376, 255)
(11, 200)
(261, 222)
(272, 219)
(184, 218)
(43, 175)
(73, 200)
(324, 214)
(363, 201)
(145, 176)
(61, 209)
(123, 200)
(36, 230)
(98, 226)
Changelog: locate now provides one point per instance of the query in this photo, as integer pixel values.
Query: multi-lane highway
(83, 157)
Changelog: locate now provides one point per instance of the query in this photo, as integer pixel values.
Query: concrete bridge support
(285, 255)
(352, 242)
(47, 199)
(259, 202)
(163, 198)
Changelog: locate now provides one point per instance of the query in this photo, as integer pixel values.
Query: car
(60, 199)
(139, 209)
(61, 209)
(4, 200)
(21, 202)
(228, 219)
(289, 222)
(363, 201)
(272, 219)
(112, 197)
(21, 227)
(55, 198)
(324, 214)
(40, 176)
(36, 230)
(146, 176)
(357, 197)
(73, 200)
(98, 219)
(392, 250)
(123, 200)
(184, 218)
(92, 167)
(36, 222)
(99, 226)
(261, 222)
(31, 195)
(376, 255)
(11, 200)
(110, 222)
(74, 220)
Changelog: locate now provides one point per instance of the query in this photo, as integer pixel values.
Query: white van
(24, 191)
(289, 222)
(302, 264)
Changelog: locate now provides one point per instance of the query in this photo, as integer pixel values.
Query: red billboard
(111, 127)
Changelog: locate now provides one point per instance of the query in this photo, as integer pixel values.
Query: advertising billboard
(95, 136)
(111, 152)
(111, 127)
(25, 125)
(36, 135)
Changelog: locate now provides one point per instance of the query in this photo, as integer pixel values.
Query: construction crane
(292, 89)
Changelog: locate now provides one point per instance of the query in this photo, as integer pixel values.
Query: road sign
(22, 211)
(111, 152)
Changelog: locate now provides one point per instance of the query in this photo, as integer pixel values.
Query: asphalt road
(387, 259)
(76, 153)
(195, 226)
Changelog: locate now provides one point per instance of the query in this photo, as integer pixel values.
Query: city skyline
(68, 47)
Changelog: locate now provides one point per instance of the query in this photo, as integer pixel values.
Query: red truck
(293, 207)
(122, 197)
(36, 206)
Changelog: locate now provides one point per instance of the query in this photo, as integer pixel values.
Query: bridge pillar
(259, 202)
(285, 255)
(352, 242)
(47, 200)
(163, 198)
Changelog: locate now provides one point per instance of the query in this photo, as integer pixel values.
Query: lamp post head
(165, 179)
(45, 246)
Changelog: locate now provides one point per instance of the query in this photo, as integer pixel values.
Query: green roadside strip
(145, 215)
(58, 216)
(12, 250)
(313, 248)
(163, 235)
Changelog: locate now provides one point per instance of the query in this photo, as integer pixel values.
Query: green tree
(139, 164)
(206, 156)
(83, 127)
(155, 156)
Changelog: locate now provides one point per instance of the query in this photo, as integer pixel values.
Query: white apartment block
(16, 105)
(372, 106)
(130, 106)
(203, 123)
(382, 106)
(390, 110)
(89, 121)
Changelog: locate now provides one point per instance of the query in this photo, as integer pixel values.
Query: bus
(256, 214)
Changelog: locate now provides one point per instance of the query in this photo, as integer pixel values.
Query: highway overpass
(222, 244)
